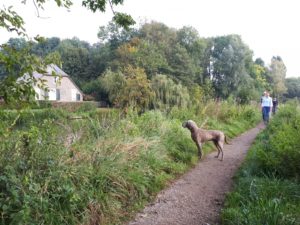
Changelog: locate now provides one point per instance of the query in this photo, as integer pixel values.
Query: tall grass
(263, 200)
(267, 189)
(99, 169)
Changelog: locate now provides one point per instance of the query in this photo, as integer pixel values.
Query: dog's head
(189, 124)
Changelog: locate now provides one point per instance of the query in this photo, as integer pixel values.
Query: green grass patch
(263, 200)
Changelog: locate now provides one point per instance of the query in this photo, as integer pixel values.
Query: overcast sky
(268, 27)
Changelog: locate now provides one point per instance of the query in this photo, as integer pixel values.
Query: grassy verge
(267, 189)
(100, 169)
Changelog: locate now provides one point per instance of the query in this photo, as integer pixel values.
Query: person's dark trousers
(266, 113)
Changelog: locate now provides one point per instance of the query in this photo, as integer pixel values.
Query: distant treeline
(152, 65)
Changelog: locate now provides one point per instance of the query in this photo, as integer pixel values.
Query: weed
(99, 169)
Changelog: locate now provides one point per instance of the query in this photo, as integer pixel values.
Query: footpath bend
(197, 197)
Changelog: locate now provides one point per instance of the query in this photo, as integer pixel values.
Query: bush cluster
(267, 187)
(278, 148)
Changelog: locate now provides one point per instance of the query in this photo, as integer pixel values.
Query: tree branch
(111, 6)
(38, 11)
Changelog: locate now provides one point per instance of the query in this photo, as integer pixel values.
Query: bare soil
(198, 196)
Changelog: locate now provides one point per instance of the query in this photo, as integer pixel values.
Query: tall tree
(75, 58)
(176, 47)
(45, 46)
(112, 83)
(229, 64)
(115, 35)
(137, 92)
(99, 59)
(293, 87)
(17, 43)
(182, 66)
(278, 74)
(158, 33)
(129, 88)
(140, 53)
(168, 94)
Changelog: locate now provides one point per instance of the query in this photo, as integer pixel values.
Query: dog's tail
(226, 141)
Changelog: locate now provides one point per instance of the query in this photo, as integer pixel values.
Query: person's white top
(266, 101)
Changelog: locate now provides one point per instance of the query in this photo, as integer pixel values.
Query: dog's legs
(199, 149)
(218, 148)
(221, 145)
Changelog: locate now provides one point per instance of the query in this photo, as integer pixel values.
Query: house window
(46, 95)
(77, 97)
(57, 94)
(56, 79)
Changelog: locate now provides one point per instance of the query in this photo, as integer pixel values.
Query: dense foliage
(293, 88)
(268, 185)
(218, 67)
(99, 169)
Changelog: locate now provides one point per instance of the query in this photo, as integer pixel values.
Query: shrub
(278, 151)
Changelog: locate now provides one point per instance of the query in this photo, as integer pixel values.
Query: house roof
(51, 70)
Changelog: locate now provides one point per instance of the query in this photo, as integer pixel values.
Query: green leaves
(64, 3)
(129, 88)
(123, 20)
(168, 94)
(11, 21)
(293, 87)
(17, 64)
(229, 69)
(95, 5)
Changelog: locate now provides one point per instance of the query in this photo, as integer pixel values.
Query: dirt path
(197, 197)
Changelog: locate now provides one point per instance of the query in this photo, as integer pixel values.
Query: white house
(60, 86)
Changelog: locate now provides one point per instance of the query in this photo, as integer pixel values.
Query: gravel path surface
(197, 197)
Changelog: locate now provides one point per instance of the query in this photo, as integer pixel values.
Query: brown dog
(200, 136)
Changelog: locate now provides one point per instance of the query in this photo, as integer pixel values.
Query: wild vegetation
(267, 189)
(104, 167)
(101, 169)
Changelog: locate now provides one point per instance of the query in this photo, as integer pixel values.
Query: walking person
(275, 104)
(266, 107)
